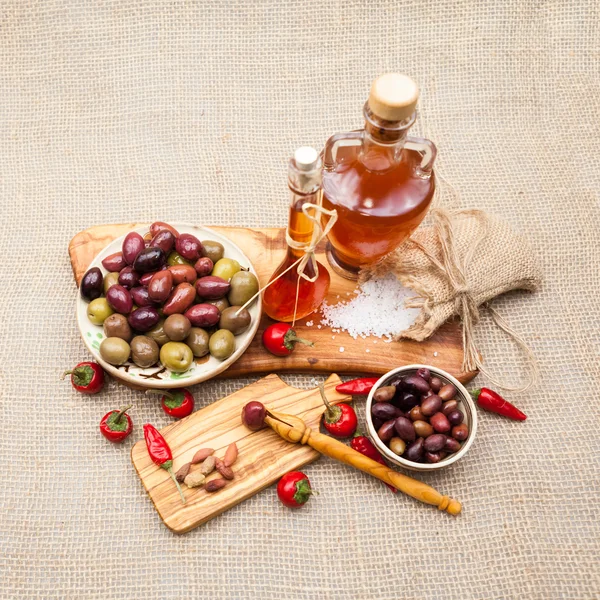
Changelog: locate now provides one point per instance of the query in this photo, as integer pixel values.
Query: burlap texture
(139, 109)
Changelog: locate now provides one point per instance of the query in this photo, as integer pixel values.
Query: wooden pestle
(295, 430)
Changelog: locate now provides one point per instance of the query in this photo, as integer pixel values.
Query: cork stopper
(393, 97)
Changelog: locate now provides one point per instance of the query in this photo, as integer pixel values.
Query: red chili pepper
(87, 377)
(340, 419)
(160, 453)
(294, 489)
(490, 400)
(280, 339)
(116, 425)
(365, 446)
(179, 403)
(357, 387)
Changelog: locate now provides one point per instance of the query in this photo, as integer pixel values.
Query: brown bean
(386, 431)
(182, 473)
(231, 454)
(201, 455)
(435, 442)
(159, 287)
(405, 430)
(436, 384)
(447, 392)
(397, 446)
(183, 274)
(440, 423)
(225, 472)
(384, 394)
(431, 405)
(423, 429)
(414, 451)
(449, 406)
(180, 299)
(416, 383)
(208, 465)
(455, 417)
(452, 445)
(215, 485)
(415, 414)
(195, 479)
(460, 432)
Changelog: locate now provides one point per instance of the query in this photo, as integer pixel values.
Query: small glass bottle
(380, 181)
(279, 298)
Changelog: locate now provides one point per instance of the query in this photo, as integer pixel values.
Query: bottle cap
(306, 158)
(393, 97)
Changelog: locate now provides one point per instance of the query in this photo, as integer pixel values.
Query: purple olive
(146, 277)
(159, 287)
(253, 415)
(386, 432)
(377, 423)
(189, 246)
(149, 259)
(431, 405)
(416, 383)
(212, 287)
(385, 411)
(447, 392)
(203, 315)
(164, 240)
(128, 278)
(114, 262)
(440, 423)
(460, 432)
(204, 266)
(436, 384)
(424, 373)
(414, 451)
(140, 296)
(434, 457)
(397, 382)
(451, 445)
(449, 406)
(455, 417)
(119, 299)
(435, 442)
(91, 284)
(144, 318)
(133, 244)
(406, 401)
(404, 429)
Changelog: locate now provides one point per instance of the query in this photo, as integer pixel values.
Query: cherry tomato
(294, 489)
(86, 377)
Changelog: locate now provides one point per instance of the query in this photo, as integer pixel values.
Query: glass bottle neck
(300, 227)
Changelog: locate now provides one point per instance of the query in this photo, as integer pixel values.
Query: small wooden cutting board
(266, 248)
(263, 456)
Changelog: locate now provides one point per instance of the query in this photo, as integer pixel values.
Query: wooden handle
(294, 430)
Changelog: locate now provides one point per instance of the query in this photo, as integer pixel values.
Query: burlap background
(135, 110)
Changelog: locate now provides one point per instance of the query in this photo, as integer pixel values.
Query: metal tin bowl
(466, 406)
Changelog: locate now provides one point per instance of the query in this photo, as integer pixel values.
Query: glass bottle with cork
(380, 181)
(300, 283)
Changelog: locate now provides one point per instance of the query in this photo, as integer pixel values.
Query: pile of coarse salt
(377, 309)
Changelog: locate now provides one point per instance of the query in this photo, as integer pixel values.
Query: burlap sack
(464, 259)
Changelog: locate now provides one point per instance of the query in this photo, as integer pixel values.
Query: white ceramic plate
(157, 376)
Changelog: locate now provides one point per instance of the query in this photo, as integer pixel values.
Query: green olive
(98, 311)
(244, 285)
(236, 323)
(110, 279)
(226, 268)
(221, 303)
(115, 351)
(197, 340)
(176, 356)
(221, 344)
(144, 351)
(117, 326)
(177, 327)
(176, 259)
(157, 333)
(213, 250)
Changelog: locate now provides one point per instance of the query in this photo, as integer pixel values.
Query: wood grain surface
(263, 456)
(266, 248)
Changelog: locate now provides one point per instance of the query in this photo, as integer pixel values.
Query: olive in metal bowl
(115, 351)
(144, 351)
(197, 340)
(117, 326)
(91, 284)
(235, 319)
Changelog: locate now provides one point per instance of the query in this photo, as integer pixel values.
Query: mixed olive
(418, 417)
(168, 297)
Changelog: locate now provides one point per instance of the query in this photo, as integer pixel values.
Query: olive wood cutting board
(263, 456)
(266, 248)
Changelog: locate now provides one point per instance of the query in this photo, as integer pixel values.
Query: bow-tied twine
(454, 271)
(319, 234)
